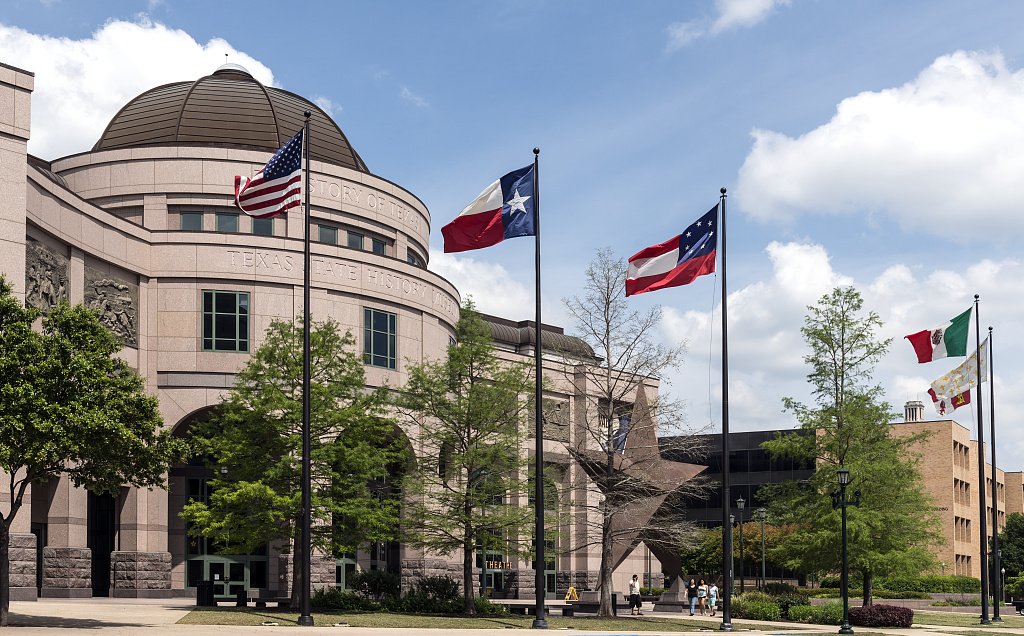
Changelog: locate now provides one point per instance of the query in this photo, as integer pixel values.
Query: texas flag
(504, 210)
(677, 261)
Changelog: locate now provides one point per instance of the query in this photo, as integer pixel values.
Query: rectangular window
(380, 335)
(377, 246)
(263, 226)
(355, 240)
(227, 222)
(192, 221)
(225, 321)
(328, 234)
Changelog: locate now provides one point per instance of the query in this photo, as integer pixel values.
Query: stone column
(16, 88)
(22, 554)
(141, 567)
(67, 562)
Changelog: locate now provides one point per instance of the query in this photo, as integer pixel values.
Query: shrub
(652, 591)
(762, 611)
(335, 599)
(788, 601)
(801, 612)
(947, 584)
(741, 602)
(831, 613)
(779, 589)
(376, 584)
(485, 606)
(881, 616)
(441, 588)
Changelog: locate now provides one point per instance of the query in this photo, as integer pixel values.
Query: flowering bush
(881, 616)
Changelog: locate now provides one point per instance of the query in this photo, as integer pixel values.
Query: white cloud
(743, 13)
(766, 348)
(493, 289)
(326, 104)
(81, 84)
(415, 99)
(946, 145)
(730, 14)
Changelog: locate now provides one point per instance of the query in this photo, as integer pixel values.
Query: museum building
(143, 229)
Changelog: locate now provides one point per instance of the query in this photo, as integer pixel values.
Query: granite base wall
(67, 573)
(140, 574)
(22, 555)
(322, 573)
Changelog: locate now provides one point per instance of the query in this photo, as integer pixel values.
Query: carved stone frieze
(46, 276)
(117, 302)
(556, 420)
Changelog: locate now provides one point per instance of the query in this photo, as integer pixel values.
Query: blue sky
(878, 144)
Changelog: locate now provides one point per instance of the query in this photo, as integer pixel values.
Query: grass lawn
(255, 617)
(957, 619)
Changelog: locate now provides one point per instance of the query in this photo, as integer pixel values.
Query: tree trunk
(868, 585)
(605, 608)
(5, 572)
(469, 605)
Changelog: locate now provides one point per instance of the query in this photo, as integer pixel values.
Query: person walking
(702, 595)
(634, 597)
(713, 597)
(691, 595)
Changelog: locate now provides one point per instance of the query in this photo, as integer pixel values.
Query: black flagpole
(982, 527)
(726, 497)
(304, 601)
(995, 493)
(538, 476)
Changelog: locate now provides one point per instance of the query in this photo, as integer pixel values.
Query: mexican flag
(946, 340)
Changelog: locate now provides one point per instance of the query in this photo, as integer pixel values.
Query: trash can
(204, 594)
(242, 598)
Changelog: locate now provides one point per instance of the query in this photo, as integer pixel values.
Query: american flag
(275, 188)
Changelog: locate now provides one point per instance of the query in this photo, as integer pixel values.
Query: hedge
(881, 616)
(831, 613)
(831, 592)
(947, 584)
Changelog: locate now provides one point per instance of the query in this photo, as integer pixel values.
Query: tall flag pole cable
(726, 496)
(982, 527)
(539, 621)
(995, 492)
(304, 601)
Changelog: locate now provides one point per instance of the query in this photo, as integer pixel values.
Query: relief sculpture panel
(117, 302)
(556, 420)
(46, 276)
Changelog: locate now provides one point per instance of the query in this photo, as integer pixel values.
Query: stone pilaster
(16, 88)
(140, 574)
(67, 572)
(22, 554)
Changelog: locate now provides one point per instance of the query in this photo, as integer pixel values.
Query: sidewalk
(149, 617)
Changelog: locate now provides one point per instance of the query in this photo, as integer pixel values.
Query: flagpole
(982, 527)
(539, 621)
(726, 496)
(305, 618)
(995, 493)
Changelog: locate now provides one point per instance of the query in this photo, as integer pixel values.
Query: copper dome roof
(228, 108)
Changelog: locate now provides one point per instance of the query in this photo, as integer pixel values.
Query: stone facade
(140, 574)
(322, 573)
(414, 570)
(22, 555)
(67, 572)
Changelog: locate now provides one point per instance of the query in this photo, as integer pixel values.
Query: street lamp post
(739, 505)
(732, 563)
(762, 513)
(839, 500)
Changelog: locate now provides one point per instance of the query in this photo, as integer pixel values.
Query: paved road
(121, 617)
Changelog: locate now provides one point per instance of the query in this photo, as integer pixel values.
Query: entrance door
(102, 524)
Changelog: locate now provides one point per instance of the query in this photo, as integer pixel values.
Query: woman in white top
(713, 597)
(634, 597)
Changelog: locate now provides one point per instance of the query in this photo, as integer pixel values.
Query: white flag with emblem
(963, 377)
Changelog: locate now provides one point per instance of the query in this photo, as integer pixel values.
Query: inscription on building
(46, 276)
(365, 197)
(117, 302)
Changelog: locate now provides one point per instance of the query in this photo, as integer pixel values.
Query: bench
(1019, 606)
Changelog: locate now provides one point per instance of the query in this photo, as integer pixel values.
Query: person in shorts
(712, 597)
(634, 597)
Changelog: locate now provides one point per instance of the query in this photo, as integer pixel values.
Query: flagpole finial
(536, 151)
(723, 190)
(308, 114)
(976, 297)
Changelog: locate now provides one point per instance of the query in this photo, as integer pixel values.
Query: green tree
(469, 409)
(892, 530)
(617, 428)
(1011, 543)
(70, 409)
(254, 441)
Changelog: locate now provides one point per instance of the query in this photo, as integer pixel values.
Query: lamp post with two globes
(839, 500)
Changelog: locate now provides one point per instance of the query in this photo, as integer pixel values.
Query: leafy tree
(469, 409)
(1011, 542)
(69, 408)
(254, 441)
(890, 533)
(706, 557)
(616, 438)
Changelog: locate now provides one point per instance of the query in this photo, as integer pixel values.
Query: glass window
(377, 246)
(380, 335)
(413, 259)
(355, 240)
(227, 222)
(225, 321)
(328, 234)
(192, 221)
(263, 226)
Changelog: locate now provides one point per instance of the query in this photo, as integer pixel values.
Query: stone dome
(228, 108)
